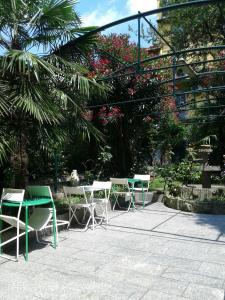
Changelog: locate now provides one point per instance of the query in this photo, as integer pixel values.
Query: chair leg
(84, 215)
(71, 214)
(15, 238)
(130, 202)
(106, 213)
(82, 222)
(93, 217)
(17, 243)
(116, 201)
(86, 226)
(38, 241)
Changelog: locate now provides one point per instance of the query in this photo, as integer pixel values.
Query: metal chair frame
(127, 193)
(105, 186)
(73, 207)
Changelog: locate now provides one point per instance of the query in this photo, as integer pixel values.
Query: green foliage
(165, 135)
(219, 195)
(102, 167)
(157, 183)
(176, 175)
(125, 126)
(187, 172)
(43, 92)
(62, 205)
(195, 26)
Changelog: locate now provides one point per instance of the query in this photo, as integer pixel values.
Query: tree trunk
(19, 162)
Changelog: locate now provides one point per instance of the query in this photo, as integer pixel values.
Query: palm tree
(39, 87)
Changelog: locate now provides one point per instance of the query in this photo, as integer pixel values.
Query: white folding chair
(120, 187)
(84, 204)
(37, 221)
(42, 191)
(105, 187)
(145, 185)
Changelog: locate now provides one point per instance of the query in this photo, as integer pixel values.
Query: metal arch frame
(136, 66)
(136, 16)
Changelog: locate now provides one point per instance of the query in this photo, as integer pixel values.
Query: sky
(101, 12)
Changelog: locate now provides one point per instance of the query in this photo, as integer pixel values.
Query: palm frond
(4, 98)
(49, 138)
(26, 64)
(75, 76)
(37, 102)
(79, 43)
(5, 144)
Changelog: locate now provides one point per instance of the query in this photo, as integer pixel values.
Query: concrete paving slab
(157, 295)
(152, 253)
(198, 292)
(193, 277)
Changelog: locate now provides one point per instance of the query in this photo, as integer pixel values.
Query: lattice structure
(196, 94)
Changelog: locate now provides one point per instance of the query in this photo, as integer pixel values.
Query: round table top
(27, 202)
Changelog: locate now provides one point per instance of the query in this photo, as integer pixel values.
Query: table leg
(26, 232)
(54, 226)
(143, 198)
(0, 233)
(133, 196)
(93, 218)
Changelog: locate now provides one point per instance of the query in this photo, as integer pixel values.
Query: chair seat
(122, 193)
(40, 218)
(81, 205)
(13, 222)
(140, 189)
(37, 221)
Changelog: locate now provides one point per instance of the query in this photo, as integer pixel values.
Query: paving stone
(153, 254)
(212, 269)
(174, 261)
(157, 295)
(140, 266)
(199, 292)
(178, 274)
(173, 287)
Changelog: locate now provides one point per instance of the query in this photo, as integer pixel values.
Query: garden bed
(216, 207)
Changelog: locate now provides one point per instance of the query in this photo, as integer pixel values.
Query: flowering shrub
(109, 114)
(125, 122)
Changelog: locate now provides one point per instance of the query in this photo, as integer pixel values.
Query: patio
(155, 253)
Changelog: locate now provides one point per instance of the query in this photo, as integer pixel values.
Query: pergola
(177, 62)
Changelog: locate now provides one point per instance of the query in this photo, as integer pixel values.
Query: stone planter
(207, 207)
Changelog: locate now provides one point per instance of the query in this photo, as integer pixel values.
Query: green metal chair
(37, 221)
(40, 191)
(145, 182)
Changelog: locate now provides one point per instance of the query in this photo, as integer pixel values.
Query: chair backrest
(102, 184)
(146, 178)
(122, 181)
(39, 191)
(105, 185)
(70, 191)
(14, 195)
(73, 190)
(142, 177)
